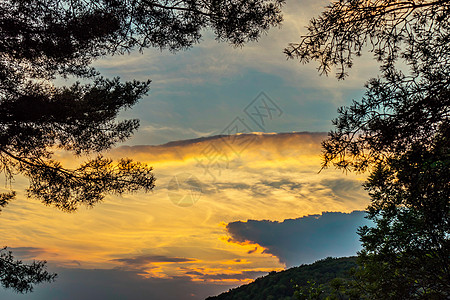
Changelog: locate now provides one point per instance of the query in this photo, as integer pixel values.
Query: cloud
(144, 260)
(303, 240)
(258, 146)
(212, 62)
(281, 184)
(161, 132)
(27, 252)
(252, 250)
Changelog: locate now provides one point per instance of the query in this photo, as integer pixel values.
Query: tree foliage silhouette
(44, 40)
(19, 276)
(399, 132)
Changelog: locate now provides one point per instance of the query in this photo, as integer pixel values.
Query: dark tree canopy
(399, 132)
(44, 40)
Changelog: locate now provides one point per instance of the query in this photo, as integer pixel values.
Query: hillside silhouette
(281, 285)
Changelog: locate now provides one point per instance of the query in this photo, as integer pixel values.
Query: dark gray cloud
(232, 185)
(345, 189)
(282, 183)
(303, 240)
(252, 251)
(143, 260)
(26, 252)
(342, 185)
(265, 188)
(75, 284)
(33, 253)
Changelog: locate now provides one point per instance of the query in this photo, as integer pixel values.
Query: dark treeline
(291, 283)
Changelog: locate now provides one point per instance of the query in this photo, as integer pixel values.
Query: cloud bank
(305, 239)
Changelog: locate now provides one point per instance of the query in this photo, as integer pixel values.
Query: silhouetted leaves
(390, 29)
(5, 198)
(87, 184)
(21, 277)
(399, 131)
(81, 119)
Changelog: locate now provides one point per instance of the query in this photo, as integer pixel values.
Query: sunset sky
(225, 210)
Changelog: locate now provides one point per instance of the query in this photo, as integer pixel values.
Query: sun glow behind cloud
(274, 177)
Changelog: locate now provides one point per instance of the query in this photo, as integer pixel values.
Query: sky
(225, 210)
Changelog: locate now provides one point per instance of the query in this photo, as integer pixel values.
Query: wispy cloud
(31, 253)
(143, 260)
